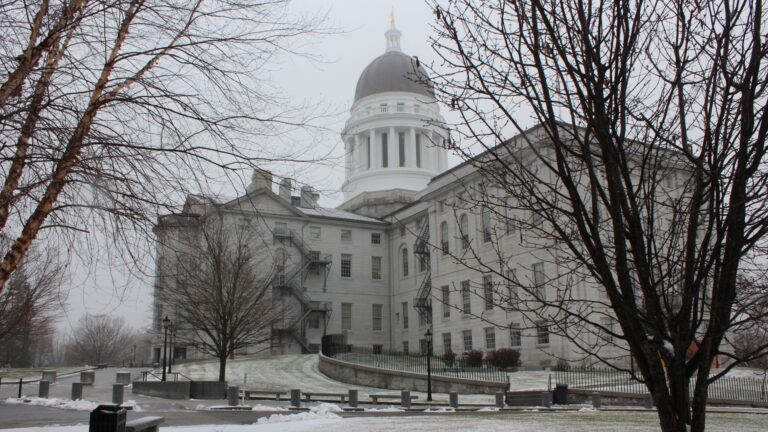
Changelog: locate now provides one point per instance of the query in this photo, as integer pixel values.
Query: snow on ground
(481, 422)
(77, 405)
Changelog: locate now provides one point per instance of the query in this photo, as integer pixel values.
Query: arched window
(464, 228)
(444, 238)
(486, 225)
(405, 262)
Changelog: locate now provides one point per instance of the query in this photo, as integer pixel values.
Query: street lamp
(166, 323)
(171, 347)
(428, 335)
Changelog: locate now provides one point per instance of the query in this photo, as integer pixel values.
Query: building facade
(382, 268)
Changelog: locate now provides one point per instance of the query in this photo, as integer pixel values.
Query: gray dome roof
(393, 72)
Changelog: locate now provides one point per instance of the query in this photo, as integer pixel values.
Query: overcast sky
(330, 83)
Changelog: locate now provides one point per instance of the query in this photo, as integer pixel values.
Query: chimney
(260, 179)
(286, 187)
(308, 195)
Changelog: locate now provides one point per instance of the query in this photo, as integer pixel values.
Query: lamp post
(428, 335)
(171, 347)
(166, 322)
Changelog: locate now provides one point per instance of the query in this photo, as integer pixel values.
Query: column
(348, 156)
(375, 149)
(394, 148)
(410, 144)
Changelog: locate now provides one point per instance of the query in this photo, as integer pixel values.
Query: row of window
(315, 233)
(377, 317)
(346, 266)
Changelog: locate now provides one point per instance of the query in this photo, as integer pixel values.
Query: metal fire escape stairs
(423, 301)
(293, 284)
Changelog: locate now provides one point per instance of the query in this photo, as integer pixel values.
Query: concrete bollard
(353, 398)
(596, 401)
(453, 399)
(123, 377)
(546, 399)
(499, 400)
(49, 375)
(77, 391)
(42, 390)
(233, 395)
(87, 377)
(648, 401)
(296, 398)
(117, 394)
(405, 399)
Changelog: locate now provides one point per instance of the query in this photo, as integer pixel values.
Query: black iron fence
(598, 379)
(457, 366)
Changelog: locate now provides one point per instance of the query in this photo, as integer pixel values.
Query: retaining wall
(167, 389)
(352, 373)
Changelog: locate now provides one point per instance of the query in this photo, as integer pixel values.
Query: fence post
(296, 398)
(21, 382)
(77, 391)
(499, 400)
(596, 402)
(648, 401)
(453, 398)
(42, 390)
(546, 399)
(117, 393)
(233, 395)
(353, 398)
(405, 399)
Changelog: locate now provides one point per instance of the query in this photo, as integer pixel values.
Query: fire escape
(291, 283)
(423, 301)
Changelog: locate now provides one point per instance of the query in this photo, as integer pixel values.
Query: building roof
(393, 71)
(337, 214)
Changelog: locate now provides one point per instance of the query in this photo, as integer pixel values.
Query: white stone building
(360, 269)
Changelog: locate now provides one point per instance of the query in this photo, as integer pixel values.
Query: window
(441, 206)
(400, 107)
(378, 349)
(346, 235)
(405, 315)
(376, 268)
(422, 263)
(401, 145)
(346, 265)
(542, 333)
(488, 292)
(536, 218)
(490, 338)
(510, 213)
(281, 228)
(314, 320)
(314, 233)
(447, 342)
(671, 180)
(384, 151)
(402, 230)
(383, 108)
(539, 280)
(467, 337)
(465, 297)
(608, 324)
(515, 335)
(486, 225)
(423, 320)
(405, 262)
(376, 238)
(346, 316)
(464, 230)
(376, 316)
(444, 238)
(418, 149)
(512, 286)
(446, 300)
(405, 347)
(423, 347)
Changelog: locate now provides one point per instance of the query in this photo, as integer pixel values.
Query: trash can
(107, 418)
(560, 395)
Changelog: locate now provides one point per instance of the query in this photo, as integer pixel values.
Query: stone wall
(166, 390)
(397, 380)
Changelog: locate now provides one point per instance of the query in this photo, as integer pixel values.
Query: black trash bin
(560, 395)
(107, 418)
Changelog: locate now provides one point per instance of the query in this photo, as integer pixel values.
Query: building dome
(393, 71)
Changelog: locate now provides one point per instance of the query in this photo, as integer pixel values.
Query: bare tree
(100, 339)
(111, 110)
(645, 175)
(221, 298)
(29, 306)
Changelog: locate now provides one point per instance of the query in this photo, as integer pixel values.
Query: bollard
(21, 383)
(453, 398)
(49, 375)
(353, 398)
(117, 394)
(648, 401)
(596, 402)
(499, 400)
(405, 399)
(123, 377)
(296, 398)
(77, 391)
(87, 377)
(42, 390)
(546, 399)
(233, 395)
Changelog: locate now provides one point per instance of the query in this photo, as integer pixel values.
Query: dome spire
(393, 34)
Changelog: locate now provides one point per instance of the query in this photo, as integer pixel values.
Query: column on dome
(433, 153)
(375, 148)
(357, 155)
(393, 149)
(348, 159)
(410, 144)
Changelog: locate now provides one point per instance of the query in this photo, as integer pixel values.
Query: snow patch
(298, 417)
(440, 410)
(488, 409)
(77, 405)
(325, 408)
(387, 409)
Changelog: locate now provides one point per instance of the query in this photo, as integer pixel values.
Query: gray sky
(362, 23)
